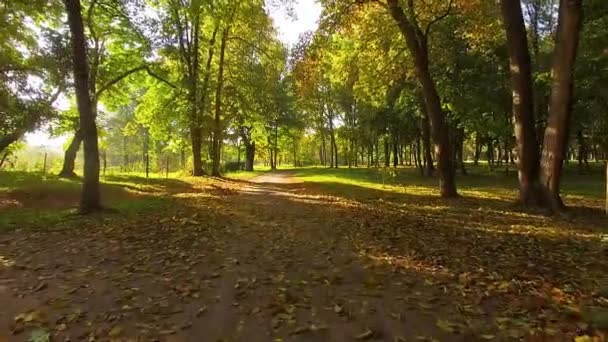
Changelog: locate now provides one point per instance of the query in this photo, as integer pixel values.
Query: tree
(560, 105)
(90, 198)
(34, 60)
(417, 43)
(114, 56)
(523, 107)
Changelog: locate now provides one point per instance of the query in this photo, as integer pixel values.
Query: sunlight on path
(276, 178)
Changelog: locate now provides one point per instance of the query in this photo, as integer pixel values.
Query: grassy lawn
(582, 189)
(43, 200)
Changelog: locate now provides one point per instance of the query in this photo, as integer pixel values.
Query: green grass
(245, 175)
(41, 200)
(480, 181)
(34, 199)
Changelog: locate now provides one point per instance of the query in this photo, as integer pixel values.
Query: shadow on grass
(41, 200)
(490, 237)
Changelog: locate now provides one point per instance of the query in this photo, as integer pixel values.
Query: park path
(273, 259)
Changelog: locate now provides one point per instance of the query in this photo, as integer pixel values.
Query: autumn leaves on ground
(300, 255)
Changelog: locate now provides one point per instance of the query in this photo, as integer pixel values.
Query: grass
(245, 175)
(37, 199)
(42, 200)
(480, 182)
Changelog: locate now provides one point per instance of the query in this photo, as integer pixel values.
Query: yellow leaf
(368, 333)
(115, 331)
(445, 325)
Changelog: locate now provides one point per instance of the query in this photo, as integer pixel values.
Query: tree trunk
(9, 139)
(125, 154)
(426, 144)
(217, 129)
(249, 156)
(3, 159)
(582, 150)
(395, 153)
(105, 162)
(523, 106)
(460, 148)
(418, 156)
(275, 147)
(90, 199)
(490, 154)
(417, 46)
(196, 134)
(69, 159)
(560, 105)
(387, 153)
(333, 147)
(478, 147)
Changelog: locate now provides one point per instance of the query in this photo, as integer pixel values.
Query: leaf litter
(293, 262)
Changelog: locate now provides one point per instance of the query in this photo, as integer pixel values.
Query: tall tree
(523, 102)
(90, 198)
(417, 43)
(560, 105)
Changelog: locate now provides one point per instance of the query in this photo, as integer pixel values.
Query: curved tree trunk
(556, 134)
(90, 199)
(417, 46)
(69, 159)
(523, 106)
(9, 139)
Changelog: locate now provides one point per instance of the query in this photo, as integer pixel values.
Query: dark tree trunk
(560, 105)
(196, 134)
(334, 146)
(460, 148)
(90, 199)
(323, 150)
(275, 147)
(478, 148)
(69, 159)
(182, 158)
(606, 166)
(249, 156)
(9, 139)
(426, 144)
(582, 150)
(387, 154)
(418, 48)
(395, 153)
(105, 162)
(217, 129)
(490, 154)
(523, 104)
(418, 155)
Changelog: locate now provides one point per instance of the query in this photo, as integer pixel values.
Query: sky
(307, 14)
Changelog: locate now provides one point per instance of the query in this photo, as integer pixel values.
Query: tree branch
(437, 19)
(129, 72)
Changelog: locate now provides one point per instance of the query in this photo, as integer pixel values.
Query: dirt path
(276, 259)
(277, 177)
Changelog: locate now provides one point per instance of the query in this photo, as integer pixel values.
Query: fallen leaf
(445, 325)
(366, 334)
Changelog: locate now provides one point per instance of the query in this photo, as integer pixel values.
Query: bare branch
(437, 19)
